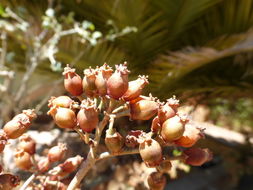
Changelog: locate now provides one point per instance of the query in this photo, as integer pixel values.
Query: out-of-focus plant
(38, 44)
(237, 116)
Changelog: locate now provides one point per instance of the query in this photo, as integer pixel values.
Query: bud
(60, 101)
(27, 144)
(103, 75)
(143, 109)
(117, 84)
(173, 128)
(156, 181)
(3, 140)
(57, 153)
(197, 156)
(88, 82)
(8, 181)
(168, 110)
(151, 152)
(63, 117)
(23, 160)
(43, 165)
(87, 117)
(155, 126)
(135, 88)
(19, 124)
(114, 141)
(190, 137)
(72, 81)
(164, 166)
(71, 164)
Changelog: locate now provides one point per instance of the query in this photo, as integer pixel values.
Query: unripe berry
(156, 181)
(71, 164)
(57, 153)
(173, 129)
(87, 117)
(88, 82)
(60, 101)
(168, 110)
(19, 124)
(72, 81)
(197, 156)
(164, 166)
(135, 88)
(151, 152)
(23, 160)
(3, 140)
(143, 109)
(103, 75)
(43, 165)
(190, 137)
(155, 126)
(117, 84)
(63, 117)
(8, 181)
(27, 144)
(114, 141)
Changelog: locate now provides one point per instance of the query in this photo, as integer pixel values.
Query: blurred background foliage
(197, 50)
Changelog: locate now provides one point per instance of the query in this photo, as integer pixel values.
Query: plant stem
(28, 181)
(83, 170)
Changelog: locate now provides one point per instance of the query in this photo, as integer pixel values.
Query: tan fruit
(88, 82)
(64, 117)
(172, 129)
(27, 144)
(87, 117)
(57, 153)
(60, 101)
(114, 141)
(43, 165)
(197, 156)
(156, 181)
(190, 136)
(151, 152)
(72, 81)
(143, 109)
(135, 88)
(23, 160)
(117, 84)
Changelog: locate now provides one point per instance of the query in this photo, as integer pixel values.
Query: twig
(28, 181)
(83, 170)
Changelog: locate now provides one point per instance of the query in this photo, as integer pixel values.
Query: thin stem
(83, 137)
(28, 181)
(84, 168)
(124, 152)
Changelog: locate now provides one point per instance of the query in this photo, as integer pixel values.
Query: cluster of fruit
(108, 93)
(102, 96)
(24, 156)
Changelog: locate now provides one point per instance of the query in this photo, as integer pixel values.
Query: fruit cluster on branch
(95, 102)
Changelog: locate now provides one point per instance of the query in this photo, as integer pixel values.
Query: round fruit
(72, 82)
(190, 137)
(23, 160)
(151, 152)
(117, 84)
(172, 129)
(156, 181)
(61, 101)
(57, 153)
(27, 144)
(143, 109)
(197, 156)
